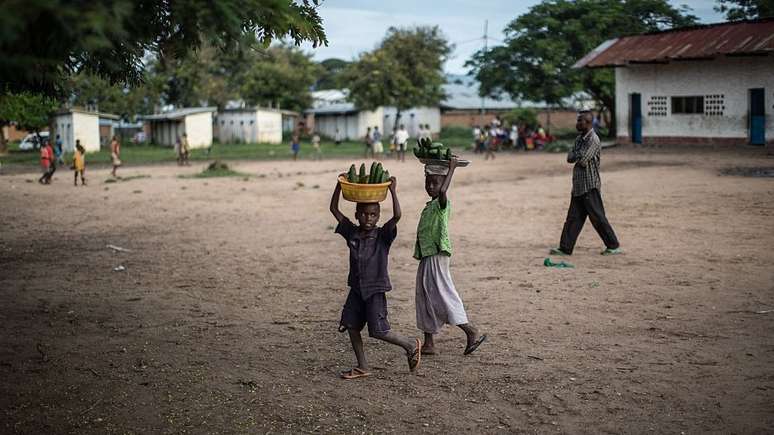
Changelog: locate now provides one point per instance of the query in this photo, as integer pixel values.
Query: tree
(404, 71)
(43, 42)
(745, 9)
(332, 76)
(28, 110)
(280, 76)
(541, 46)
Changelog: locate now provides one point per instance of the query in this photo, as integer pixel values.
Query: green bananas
(376, 175)
(432, 150)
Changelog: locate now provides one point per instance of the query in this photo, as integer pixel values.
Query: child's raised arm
(396, 213)
(446, 182)
(335, 203)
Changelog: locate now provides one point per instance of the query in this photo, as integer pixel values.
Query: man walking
(586, 199)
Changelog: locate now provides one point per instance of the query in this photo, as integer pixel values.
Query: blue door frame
(757, 116)
(636, 115)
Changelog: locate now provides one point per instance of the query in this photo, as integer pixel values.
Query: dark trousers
(589, 204)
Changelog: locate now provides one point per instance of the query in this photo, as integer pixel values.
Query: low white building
(195, 122)
(331, 111)
(249, 125)
(77, 124)
(711, 84)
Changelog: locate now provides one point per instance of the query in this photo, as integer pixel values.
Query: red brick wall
(560, 119)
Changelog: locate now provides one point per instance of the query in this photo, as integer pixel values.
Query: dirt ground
(224, 319)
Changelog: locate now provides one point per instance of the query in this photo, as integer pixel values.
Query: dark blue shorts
(373, 311)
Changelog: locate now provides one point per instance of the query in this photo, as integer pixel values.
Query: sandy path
(225, 318)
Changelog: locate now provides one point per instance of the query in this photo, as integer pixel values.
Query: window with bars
(688, 105)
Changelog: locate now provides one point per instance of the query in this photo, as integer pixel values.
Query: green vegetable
(372, 173)
(352, 174)
(362, 177)
(385, 176)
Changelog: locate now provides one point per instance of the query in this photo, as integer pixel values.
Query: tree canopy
(280, 76)
(332, 75)
(28, 110)
(44, 42)
(535, 62)
(745, 9)
(404, 71)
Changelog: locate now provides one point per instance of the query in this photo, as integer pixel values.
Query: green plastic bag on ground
(548, 263)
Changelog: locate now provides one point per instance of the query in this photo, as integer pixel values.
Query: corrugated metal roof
(178, 114)
(700, 42)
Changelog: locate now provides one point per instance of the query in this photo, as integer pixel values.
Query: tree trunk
(548, 119)
(3, 142)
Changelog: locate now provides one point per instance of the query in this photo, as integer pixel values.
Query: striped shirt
(585, 155)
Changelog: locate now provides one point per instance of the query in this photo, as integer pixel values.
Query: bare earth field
(225, 318)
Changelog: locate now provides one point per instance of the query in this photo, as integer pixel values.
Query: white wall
(730, 77)
(352, 126)
(198, 127)
(85, 127)
(411, 118)
(269, 126)
(236, 126)
(64, 128)
(166, 132)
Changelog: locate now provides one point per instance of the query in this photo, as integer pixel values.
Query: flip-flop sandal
(354, 373)
(415, 356)
(472, 348)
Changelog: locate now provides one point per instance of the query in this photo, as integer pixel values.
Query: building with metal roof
(196, 122)
(709, 84)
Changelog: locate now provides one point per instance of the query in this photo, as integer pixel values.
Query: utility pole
(481, 115)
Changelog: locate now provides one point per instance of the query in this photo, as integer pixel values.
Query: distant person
(476, 135)
(586, 201)
(58, 150)
(47, 163)
(514, 136)
(596, 125)
(295, 145)
(540, 137)
(185, 149)
(377, 146)
(115, 154)
(316, 146)
(401, 142)
(337, 137)
(79, 162)
(179, 151)
(369, 143)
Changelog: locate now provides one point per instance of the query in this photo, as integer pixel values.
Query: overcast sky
(354, 26)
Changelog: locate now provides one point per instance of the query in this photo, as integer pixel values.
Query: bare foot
(428, 350)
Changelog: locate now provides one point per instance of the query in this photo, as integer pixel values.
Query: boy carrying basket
(437, 300)
(369, 248)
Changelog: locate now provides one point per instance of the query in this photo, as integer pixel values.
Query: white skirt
(437, 301)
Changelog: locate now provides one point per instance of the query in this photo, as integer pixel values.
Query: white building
(77, 124)
(331, 111)
(710, 84)
(195, 122)
(249, 125)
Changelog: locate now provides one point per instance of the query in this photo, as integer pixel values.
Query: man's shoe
(615, 251)
(557, 251)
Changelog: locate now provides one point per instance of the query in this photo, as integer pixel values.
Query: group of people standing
(50, 157)
(398, 142)
(495, 135)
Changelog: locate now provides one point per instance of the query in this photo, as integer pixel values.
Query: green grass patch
(133, 155)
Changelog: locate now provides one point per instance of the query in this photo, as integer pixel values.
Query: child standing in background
(79, 162)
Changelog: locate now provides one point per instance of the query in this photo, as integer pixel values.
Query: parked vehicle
(31, 141)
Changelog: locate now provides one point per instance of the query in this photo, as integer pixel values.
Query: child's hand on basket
(393, 184)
